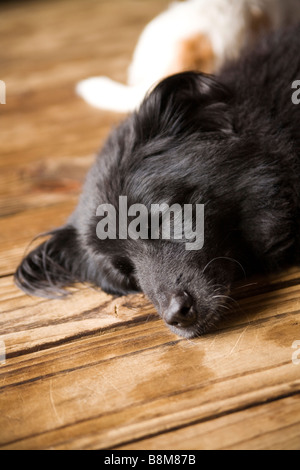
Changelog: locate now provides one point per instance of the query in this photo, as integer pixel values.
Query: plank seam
(132, 323)
(229, 412)
(211, 418)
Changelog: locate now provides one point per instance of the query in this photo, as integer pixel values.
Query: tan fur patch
(260, 22)
(195, 53)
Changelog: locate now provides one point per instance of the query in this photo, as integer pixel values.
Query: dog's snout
(180, 312)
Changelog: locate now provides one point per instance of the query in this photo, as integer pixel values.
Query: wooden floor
(94, 372)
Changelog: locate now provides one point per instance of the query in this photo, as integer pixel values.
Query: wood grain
(94, 371)
(274, 426)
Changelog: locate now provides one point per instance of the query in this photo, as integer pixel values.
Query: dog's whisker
(227, 259)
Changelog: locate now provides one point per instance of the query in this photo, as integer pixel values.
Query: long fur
(230, 142)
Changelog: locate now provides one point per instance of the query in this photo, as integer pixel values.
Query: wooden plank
(42, 109)
(195, 368)
(117, 374)
(31, 323)
(28, 324)
(273, 426)
(17, 231)
(42, 184)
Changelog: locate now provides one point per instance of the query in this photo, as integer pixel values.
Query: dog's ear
(50, 267)
(185, 103)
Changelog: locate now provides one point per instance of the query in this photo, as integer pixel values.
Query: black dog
(231, 143)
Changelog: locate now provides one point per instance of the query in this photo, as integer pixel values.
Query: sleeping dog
(192, 35)
(230, 144)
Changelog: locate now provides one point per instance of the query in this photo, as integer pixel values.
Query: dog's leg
(103, 93)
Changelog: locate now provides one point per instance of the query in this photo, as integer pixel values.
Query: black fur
(231, 143)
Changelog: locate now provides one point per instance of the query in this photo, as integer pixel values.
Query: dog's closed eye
(120, 279)
(124, 266)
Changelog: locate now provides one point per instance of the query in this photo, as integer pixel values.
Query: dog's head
(173, 151)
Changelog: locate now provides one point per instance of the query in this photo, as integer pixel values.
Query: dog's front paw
(97, 91)
(103, 93)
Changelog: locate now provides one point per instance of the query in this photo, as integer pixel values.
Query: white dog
(192, 35)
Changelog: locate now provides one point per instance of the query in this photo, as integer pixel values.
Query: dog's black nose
(180, 312)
